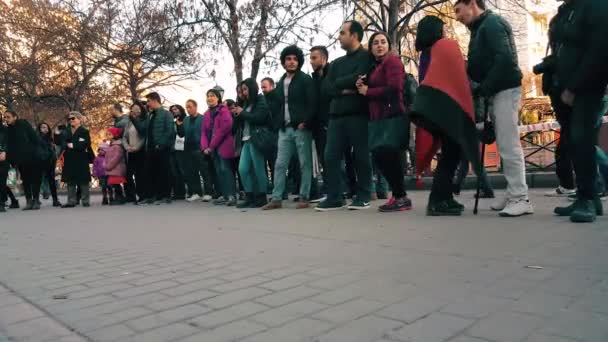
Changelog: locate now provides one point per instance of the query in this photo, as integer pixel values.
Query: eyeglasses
(72, 118)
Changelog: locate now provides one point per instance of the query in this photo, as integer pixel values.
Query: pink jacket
(385, 92)
(115, 160)
(216, 132)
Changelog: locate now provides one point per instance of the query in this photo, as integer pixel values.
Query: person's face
(266, 86)
(291, 64)
(239, 92)
(212, 100)
(74, 121)
(153, 104)
(135, 111)
(317, 60)
(380, 46)
(115, 112)
(191, 108)
(175, 111)
(44, 129)
(9, 119)
(464, 12)
(245, 92)
(346, 38)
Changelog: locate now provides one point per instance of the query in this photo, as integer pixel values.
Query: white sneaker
(318, 200)
(193, 198)
(207, 198)
(517, 207)
(560, 192)
(499, 204)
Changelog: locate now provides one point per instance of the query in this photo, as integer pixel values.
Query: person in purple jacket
(388, 127)
(217, 141)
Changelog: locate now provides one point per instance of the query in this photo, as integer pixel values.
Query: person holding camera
(575, 76)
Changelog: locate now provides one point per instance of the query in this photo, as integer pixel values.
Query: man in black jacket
(348, 117)
(295, 92)
(319, 57)
(4, 166)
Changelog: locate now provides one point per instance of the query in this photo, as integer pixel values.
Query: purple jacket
(99, 169)
(216, 132)
(385, 92)
(115, 160)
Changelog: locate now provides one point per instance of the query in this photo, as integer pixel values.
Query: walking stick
(483, 153)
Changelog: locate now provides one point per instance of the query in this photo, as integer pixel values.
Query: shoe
(296, 199)
(168, 200)
(516, 208)
(382, 195)
(584, 211)
(119, 201)
(56, 204)
(207, 198)
(14, 205)
(603, 196)
(157, 202)
(46, 197)
(67, 206)
(260, 200)
(303, 204)
(86, 205)
(456, 190)
(241, 196)
(567, 211)
(28, 206)
(273, 205)
(486, 194)
(560, 191)
(358, 205)
(220, 201)
(131, 200)
(193, 198)
(329, 206)
(2, 209)
(36, 205)
(149, 201)
(318, 200)
(452, 203)
(231, 201)
(499, 204)
(249, 201)
(443, 208)
(396, 204)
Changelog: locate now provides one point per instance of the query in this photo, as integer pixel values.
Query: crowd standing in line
(348, 124)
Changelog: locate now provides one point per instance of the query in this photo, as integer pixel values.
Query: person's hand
(359, 82)
(130, 149)
(348, 92)
(70, 145)
(362, 89)
(179, 122)
(2, 156)
(568, 97)
(302, 126)
(207, 151)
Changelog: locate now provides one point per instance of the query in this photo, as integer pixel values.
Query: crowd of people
(348, 124)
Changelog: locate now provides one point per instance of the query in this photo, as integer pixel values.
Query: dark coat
(24, 145)
(76, 160)
(322, 105)
(492, 60)
(3, 143)
(385, 91)
(302, 101)
(161, 130)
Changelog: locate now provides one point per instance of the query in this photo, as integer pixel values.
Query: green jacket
(492, 59)
(302, 101)
(343, 74)
(161, 129)
(191, 130)
(578, 37)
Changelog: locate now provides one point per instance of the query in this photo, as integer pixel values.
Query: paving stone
(571, 283)
(229, 299)
(289, 312)
(336, 281)
(288, 296)
(99, 321)
(288, 282)
(547, 338)
(361, 330)
(240, 284)
(169, 333)
(105, 289)
(466, 339)
(541, 303)
(35, 329)
(173, 302)
(478, 306)
(434, 328)
(111, 333)
(145, 289)
(506, 327)
(223, 316)
(166, 317)
(349, 311)
(78, 304)
(192, 287)
(288, 271)
(228, 333)
(412, 309)
(581, 326)
(511, 288)
(296, 331)
(111, 307)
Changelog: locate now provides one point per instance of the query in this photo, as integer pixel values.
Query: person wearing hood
(388, 127)
(492, 66)
(217, 142)
(296, 95)
(254, 124)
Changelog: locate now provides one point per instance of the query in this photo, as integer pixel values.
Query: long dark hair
(142, 108)
(252, 90)
(48, 136)
(371, 41)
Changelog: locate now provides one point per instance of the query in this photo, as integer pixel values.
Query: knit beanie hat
(115, 132)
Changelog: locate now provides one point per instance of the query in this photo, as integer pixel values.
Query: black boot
(56, 203)
(584, 211)
(35, 205)
(249, 201)
(260, 200)
(29, 205)
(443, 208)
(567, 211)
(14, 205)
(105, 201)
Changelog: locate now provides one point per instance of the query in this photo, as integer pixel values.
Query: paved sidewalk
(193, 272)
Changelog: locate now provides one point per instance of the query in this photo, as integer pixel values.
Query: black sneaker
(452, 203)
(231, 201)
(584, 211)
(220, 201)
(442, 208)
(396, 204)
(358, 205)
(567, 211)
(14, 205)
(329, 206)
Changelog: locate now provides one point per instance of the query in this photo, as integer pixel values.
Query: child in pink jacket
(116, 166)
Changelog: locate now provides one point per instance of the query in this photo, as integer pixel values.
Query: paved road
(192, 272)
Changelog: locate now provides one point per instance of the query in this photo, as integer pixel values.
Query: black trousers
(391, 163)
(3, 187)
(159, 171)
(136, 174)
(320, 137)
(564, 168)
(451, 154)
(178, 181)
(31, 176)
(196, 165)
(49, 175)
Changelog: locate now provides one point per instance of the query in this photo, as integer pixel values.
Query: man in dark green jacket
(577, 76)
(348, 117)
(296, 95)
(161, 136)
(493, 68)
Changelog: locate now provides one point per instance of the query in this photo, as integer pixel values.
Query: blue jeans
(252, 169)
(225, 176)
(293, 141)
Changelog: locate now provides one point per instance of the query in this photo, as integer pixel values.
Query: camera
(546, 66)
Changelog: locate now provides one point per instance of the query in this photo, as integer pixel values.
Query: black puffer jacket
(24, 144)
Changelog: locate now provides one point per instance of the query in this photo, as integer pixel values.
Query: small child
(99, 172)
(116, 166)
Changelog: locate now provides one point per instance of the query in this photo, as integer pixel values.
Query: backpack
(410, 85)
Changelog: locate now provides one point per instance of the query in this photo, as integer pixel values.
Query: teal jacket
(302, 101)
(161, 129)
(492, 59)
(191, 130)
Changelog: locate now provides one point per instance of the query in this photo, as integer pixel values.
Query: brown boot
(303, 204)
(272, 205)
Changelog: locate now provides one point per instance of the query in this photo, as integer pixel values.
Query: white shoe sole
(324, 210)
(358, 208)
(503, 214)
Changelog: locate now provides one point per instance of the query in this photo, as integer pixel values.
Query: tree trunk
(260, 38)
(393, 17)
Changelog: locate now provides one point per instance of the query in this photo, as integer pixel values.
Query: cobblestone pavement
(192, 272)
